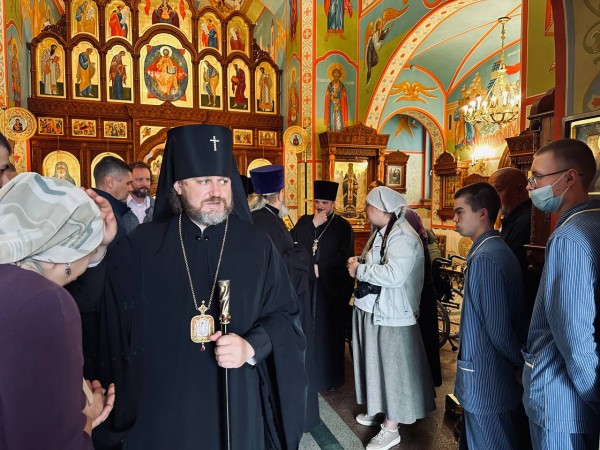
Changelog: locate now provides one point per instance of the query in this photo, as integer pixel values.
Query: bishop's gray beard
(207, 218)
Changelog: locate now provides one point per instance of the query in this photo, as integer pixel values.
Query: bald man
(515, 210)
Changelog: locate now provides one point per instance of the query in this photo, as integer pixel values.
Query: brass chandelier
(501, 103)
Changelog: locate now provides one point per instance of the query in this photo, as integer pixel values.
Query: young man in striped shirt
(561, 377)
(489, 352)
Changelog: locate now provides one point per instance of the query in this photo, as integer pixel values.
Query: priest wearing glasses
(329, 240)
(164, 350)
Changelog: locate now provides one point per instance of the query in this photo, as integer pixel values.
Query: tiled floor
(435, 432)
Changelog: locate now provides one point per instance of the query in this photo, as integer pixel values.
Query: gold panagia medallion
(202, 327)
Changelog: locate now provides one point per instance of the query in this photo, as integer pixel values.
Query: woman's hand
(352, 266)
(110, 225)
(102, 404)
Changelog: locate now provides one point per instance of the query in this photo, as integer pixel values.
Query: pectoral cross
(214, 140)
(315, 246)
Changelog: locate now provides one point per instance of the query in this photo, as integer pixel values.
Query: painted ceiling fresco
(467, 38)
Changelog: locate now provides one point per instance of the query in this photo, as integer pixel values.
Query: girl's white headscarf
(387, 200)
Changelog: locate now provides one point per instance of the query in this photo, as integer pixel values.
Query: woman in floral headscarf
(50, 231)
(391, 371)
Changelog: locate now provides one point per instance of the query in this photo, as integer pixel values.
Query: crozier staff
(202, 233)
(225, 319)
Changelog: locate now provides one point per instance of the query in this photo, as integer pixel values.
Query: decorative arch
(433, 127)
(438, 145)
(403, 54)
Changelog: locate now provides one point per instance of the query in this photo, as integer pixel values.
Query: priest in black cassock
(268, 208)
(329, 240)
(159, 346)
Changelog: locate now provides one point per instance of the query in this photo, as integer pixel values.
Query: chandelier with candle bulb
(501, 102)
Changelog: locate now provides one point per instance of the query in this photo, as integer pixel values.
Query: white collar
(145, 204)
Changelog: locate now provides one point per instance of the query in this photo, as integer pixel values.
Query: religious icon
(210, 27)
(237, 33)
(211, 82)
(83, 127)
(335, 11)
(118, 74)
(265, 89)
(61, 171)
(376, 33)
(19, 123)
(293, 18)
(50, 125)
(202, 327)
(336, 101)
(51, 69)
(238, 98)
(242, 137)
(293, 101)
(350, 188)
(62, 165)
(166, 73)
(16, 125)
(115, 129)
(164, 13)
(267, 138)
(352, 177)
(119, 20)
(236, 40)
(15, 75)
(85, 17)
(85, 71)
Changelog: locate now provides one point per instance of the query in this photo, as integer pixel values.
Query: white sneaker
(370, 421)
(384, 440)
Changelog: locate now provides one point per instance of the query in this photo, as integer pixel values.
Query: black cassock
(171, 394)
(297, 262)
(330, 292)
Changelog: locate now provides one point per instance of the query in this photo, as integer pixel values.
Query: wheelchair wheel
(443, 324)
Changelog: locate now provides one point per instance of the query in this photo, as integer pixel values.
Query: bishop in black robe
(330, 292)
(171, 393)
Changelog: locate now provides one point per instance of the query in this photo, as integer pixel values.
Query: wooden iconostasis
(112, 78)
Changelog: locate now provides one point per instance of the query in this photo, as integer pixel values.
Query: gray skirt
(391, 371)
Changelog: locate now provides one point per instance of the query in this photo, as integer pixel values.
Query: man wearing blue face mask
(561, 378)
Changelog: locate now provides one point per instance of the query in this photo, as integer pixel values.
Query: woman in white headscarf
(391, 371)
(50, 231)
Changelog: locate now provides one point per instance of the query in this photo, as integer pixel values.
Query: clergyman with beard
(329, 240)
(161, 300)
(140, 202)
(268, 210)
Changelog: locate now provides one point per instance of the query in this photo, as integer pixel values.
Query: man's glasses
(533, 178)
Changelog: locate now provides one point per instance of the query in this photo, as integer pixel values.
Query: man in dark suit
(515, 211)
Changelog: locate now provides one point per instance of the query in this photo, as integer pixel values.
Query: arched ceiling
(466, 38)
(449, 43)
